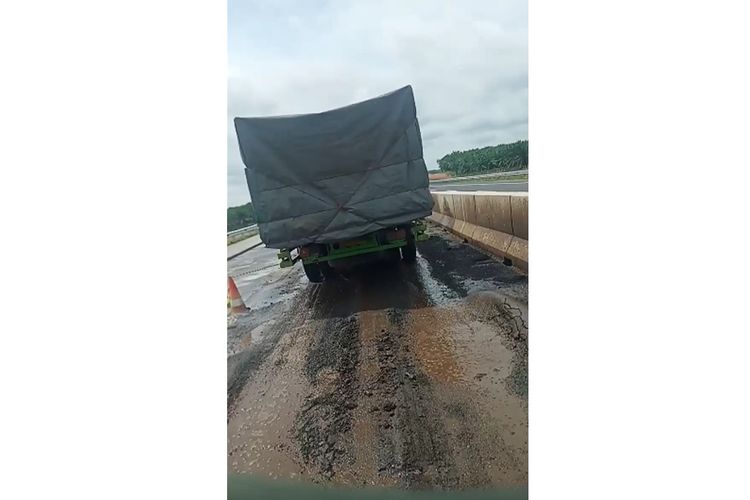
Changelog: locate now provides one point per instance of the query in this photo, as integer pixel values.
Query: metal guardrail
(242, 230)
(242, 233)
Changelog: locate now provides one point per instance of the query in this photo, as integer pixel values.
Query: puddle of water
(258, 275)
(438, 293)
(473, 286)
(456, 350)
(429, 330)
(488, 365)
(515, 291)
(469, 365)
(246, 333)
(256, 335)
(489, 360)
(272, 292)
(259, 430)
(257, 435)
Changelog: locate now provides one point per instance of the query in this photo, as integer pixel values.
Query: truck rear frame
(317, 256)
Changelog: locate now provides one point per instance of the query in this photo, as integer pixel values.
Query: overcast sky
(467, 63)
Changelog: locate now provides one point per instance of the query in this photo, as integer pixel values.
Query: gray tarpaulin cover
(336, 175)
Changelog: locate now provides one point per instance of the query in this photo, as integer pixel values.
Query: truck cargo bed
(335, 175)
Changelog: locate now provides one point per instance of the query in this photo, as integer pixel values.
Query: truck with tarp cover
(337, 184)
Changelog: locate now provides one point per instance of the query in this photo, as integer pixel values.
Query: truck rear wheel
(314, 272)
(328, 271)
(409, 252)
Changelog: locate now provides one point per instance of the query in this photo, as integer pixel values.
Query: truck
(331, 186)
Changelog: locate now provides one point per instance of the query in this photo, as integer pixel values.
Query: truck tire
(409, 252)
(314, 272)
(328, 271)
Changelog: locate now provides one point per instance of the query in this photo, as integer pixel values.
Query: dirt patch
(392, 375)
(325, 417)
(480, 454)
(410, 449)
(509, 318)
(336, 347)
(377, 286)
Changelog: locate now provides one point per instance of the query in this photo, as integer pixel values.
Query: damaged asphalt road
(393, 375)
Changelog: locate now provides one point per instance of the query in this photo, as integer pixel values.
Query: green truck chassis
(315, 257)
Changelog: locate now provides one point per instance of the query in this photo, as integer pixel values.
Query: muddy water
(432, 336)
(392, 375)
(261, 419)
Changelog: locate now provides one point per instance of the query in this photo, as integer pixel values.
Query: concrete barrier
(469, 209)
(450, 208)
(520, 216)
(495, 212)
(495, 222)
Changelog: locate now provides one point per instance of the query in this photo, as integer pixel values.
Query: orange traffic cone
(234, 300)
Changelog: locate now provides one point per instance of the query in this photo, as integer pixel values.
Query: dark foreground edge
(245, 486)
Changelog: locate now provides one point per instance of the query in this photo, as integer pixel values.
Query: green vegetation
(239, 217)
(500, 158)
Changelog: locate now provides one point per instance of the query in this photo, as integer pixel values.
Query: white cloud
(467, 63)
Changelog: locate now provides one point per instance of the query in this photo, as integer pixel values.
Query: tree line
(501, 158)
(239, 217)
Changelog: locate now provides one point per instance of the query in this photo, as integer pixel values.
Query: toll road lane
(413, 376)
(489, 186)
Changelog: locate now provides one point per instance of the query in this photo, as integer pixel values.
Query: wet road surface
(396, 375)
